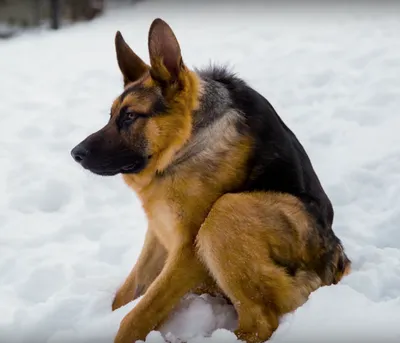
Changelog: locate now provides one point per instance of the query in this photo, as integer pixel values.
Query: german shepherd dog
(232, 200)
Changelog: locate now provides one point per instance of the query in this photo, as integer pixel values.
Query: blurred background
(19, 15)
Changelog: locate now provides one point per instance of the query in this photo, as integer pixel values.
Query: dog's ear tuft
(130, 64)
(165, 52)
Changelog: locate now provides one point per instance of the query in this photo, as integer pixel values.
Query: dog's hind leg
(241, 241)
(148, 266)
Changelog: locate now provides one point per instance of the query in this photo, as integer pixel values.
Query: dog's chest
(164, 222)
(176, 208)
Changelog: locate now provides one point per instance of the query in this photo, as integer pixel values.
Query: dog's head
(151, 120)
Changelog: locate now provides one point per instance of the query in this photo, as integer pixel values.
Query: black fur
(278, 162)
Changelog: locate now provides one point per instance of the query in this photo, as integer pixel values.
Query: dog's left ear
(131, 65)
(165, 52)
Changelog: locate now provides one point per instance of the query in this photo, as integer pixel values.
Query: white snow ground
(68, 238)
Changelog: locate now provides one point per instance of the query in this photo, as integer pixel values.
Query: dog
(234, 206)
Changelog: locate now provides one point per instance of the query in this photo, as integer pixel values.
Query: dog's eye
(128, 118)
(131, 116)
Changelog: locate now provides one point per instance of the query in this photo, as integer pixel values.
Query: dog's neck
(213, 126)
(212, 143)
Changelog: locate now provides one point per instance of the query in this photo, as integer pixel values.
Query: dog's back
(279, 161)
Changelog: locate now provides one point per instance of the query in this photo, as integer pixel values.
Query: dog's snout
(79, 153)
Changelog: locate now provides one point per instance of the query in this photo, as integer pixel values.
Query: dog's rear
(343, 265)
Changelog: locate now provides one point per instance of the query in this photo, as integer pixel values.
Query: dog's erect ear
(165, 53)
(130, 64)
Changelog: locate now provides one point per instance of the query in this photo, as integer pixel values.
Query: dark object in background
(76, 9)
(17, 15)
(85, 9)
(55, 14)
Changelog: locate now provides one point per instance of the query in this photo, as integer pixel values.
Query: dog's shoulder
(278, 161)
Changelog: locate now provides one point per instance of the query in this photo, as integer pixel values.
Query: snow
(69, 238)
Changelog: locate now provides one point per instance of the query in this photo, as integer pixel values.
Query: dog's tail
(342, 264)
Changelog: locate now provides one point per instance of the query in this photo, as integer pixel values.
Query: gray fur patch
(214, 102)
(215, 125)
(210, 141)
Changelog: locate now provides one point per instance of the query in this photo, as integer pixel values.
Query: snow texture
(69, 238)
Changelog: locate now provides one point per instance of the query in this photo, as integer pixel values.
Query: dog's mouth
(109, 163)
(131, 168)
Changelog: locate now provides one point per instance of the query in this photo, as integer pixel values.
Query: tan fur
(199, 237)
(136, 103)
(184, 104)
(148, 266)
(266, 224)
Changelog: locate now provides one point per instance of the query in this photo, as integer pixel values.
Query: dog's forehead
(115, 105)
(138, 96)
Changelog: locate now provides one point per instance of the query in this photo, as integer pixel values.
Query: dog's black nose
(79, 153)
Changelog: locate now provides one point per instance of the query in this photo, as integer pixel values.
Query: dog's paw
(124, 297)
(121, 299)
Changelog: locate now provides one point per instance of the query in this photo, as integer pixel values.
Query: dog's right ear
(130, 64)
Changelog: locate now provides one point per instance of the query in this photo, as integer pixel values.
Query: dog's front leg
(148, 266)
(181, 273)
